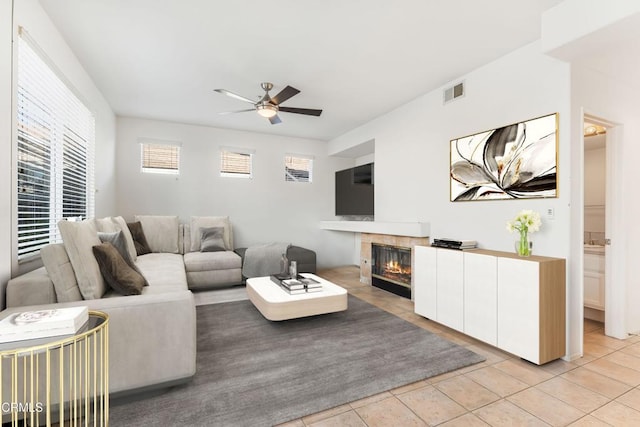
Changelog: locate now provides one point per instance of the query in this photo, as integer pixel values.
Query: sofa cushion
(139, 239)
(122, 226)
(212, 239)
(201, 280)
(58, 266)
(116, 271)
(106, 225)
(198, 222)
(32, 288)
(209, 261)
(162, 232)
(163, 270)
(79, 238)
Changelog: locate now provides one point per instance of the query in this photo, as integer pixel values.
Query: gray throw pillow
(121, 225)
(212, 239)
(116, 272)
(198, 222)
(118, 240)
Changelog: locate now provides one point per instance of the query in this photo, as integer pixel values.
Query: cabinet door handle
(607, 242)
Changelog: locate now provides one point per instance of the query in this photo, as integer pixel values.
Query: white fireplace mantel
(410, 229)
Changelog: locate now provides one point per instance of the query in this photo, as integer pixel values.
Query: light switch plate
(550, 213)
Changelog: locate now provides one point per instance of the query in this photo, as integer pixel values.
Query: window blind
(236, 163)
(55, 148)
(298, 168)
(158, 157)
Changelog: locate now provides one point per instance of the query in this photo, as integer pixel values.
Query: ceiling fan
(269, 107)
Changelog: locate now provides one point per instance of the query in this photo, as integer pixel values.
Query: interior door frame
(615, 287)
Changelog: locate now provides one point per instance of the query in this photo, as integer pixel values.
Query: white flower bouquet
(527, 221)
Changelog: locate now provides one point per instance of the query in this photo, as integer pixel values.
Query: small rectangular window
(237, 163)
(298, 168)
(159, 157)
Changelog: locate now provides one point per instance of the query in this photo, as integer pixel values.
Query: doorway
(594, 233)
(603, 286)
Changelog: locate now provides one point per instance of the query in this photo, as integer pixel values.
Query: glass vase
(524, 246)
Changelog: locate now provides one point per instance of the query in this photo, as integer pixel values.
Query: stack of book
(30, 325)
(454, 244)
(299, 285)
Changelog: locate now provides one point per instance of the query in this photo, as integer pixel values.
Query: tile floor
(600, 389)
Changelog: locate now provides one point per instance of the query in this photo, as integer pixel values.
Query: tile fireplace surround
(367, 239)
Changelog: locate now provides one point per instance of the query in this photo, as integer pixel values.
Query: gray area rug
(253, 372)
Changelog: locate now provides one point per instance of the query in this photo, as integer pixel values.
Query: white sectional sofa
(152, 335)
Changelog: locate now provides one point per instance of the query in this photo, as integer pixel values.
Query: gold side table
(58, 380)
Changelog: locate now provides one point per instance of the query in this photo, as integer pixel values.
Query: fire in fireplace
(391, 269)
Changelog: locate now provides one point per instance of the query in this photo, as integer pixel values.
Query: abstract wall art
(518, 161)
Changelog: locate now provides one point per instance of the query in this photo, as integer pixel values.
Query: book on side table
(29, 325)
(299, 285)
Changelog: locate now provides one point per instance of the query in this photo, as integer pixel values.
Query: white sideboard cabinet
(514, 303)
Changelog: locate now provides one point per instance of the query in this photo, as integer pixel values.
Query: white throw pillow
(198, 222)
(161, 232)
(79, 238)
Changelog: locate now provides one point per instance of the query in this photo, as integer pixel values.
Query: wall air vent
(453, 92)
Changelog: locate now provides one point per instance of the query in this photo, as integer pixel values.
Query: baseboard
(594, 314)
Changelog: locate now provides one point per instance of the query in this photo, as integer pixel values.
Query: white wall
(594, 177)
(5, 146)
(412, 153)
(263, 209)
(29, 14)
(594, 191)
(412, 150)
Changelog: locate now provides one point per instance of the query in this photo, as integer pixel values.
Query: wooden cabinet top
(502, 254)
(536, 258)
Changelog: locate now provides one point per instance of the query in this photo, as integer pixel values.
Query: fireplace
(391, 269)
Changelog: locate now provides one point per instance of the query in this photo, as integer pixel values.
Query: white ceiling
(356, 60)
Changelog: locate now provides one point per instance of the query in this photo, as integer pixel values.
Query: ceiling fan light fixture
(269, 107)
(267, 110)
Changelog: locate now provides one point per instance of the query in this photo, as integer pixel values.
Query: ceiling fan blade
(307, 111)
(284, 94)
(235, 95)
(275, 120)
(237, 111)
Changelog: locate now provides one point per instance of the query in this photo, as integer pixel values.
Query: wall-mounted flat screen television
(354, 191)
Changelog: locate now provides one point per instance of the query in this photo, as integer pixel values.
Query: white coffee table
(277, 304)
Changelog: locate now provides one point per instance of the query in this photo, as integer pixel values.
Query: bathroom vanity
(594, 277)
